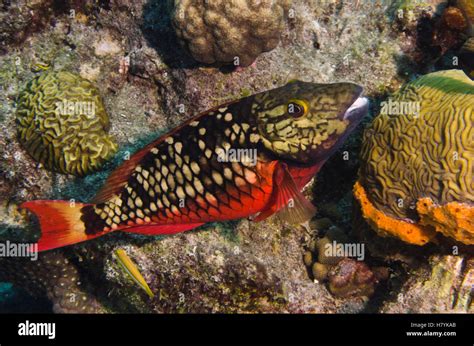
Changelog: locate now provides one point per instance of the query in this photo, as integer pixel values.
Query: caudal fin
(60, 223)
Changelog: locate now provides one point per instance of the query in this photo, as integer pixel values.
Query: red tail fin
(60, 222)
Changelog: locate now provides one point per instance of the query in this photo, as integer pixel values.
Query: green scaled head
(306, 122)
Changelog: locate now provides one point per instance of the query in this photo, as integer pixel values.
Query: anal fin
(162, 229)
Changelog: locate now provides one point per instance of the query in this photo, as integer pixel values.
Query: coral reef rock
(220, 31)
(444, 286)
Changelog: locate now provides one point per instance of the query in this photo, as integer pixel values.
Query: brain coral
(416, 174)
(63, 124)
(218, 31)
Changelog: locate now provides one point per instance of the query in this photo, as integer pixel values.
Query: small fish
(247, 158)
(131, 269)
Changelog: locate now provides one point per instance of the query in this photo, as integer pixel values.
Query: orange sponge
(386, 225)
(455, 220)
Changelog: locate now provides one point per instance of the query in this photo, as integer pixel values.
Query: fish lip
(357, 110)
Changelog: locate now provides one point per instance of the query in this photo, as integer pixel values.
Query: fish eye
(297, 108)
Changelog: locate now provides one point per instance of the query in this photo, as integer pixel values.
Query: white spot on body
(180, 192)
(198, 185)
(228, 173)
(236, 128)
(138, 202)
(201, 144)
(179, 177)
(164, 186)
(178, 146)
(195, 168)
(187, 172)
(190, 191)
(217, 177)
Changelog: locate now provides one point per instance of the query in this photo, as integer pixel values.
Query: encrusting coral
(220, 31)
(416, 175)
(62, 123)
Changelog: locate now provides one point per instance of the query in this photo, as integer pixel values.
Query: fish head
(306, 122)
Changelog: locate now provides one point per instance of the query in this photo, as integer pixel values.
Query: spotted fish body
(184, 178)
(246, 158)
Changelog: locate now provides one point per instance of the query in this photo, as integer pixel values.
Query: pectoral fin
(291, 205)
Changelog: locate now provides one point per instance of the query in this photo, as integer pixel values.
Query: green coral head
(63, 124)
(406, 156)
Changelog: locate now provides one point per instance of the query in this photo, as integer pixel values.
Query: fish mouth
(357, 110)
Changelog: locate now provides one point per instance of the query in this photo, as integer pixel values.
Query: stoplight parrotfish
(247, 158)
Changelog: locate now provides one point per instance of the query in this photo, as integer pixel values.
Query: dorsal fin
(118, 178)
